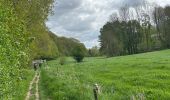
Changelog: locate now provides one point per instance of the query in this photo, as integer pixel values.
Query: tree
(79, 52)
(65, 45)
(34, 14)
(93, 52)
(127, 34)
(21, 20)
(162, 22)
(110, 37)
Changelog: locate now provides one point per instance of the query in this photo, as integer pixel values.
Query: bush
(13, 51)
(62, 60)
(79, 52)
(79, 58)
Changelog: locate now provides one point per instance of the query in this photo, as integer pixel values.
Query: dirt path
(33, 92)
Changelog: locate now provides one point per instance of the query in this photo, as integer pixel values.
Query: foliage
(109, 39)
(65, 45)
(66, 85)
(22, 86)
(120, 78)
(119, 38)
(162, 22)
(94, 52)
(20, 22)
(129, 35)
(13, 50)
(34, 13)
(62, 60)
(79, 52)
(43, 47)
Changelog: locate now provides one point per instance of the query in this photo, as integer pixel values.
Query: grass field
(134, 77)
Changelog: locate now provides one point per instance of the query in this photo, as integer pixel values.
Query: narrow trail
(37, 91)
(33, 92)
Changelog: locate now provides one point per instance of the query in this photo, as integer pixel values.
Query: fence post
(95, 91)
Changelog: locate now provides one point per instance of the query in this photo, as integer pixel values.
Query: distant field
(121, 78)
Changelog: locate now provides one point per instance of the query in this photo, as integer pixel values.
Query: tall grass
(141, 76)
(23, 86)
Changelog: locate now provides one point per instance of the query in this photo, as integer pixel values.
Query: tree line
(25, 37)
(136, 29)
(66, 46)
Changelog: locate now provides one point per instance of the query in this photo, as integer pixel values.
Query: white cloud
(160, 2)
(82, 19)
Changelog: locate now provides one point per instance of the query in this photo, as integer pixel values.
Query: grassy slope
(121, 78)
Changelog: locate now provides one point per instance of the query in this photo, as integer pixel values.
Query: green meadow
(135, 77)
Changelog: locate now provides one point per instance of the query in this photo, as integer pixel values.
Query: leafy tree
(94, 51)
(162, 22)
(126, 35)
(65, 45)
(133, 36)
(34, 13)
(79, 52)
(20, 21)
(109, 39)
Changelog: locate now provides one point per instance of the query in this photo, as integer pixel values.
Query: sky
(82, 19)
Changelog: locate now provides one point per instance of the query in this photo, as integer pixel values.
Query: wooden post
(95, 91)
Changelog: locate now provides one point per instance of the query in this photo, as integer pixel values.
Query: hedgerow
(13, 51)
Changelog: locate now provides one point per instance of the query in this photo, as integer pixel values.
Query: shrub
(79, 52)
(62, 60)
(13, 51)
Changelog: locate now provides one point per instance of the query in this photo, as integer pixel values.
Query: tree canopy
(129, 34)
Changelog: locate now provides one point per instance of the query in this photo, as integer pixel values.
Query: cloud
(133, 2)
(63, 7)
(82, 19)
(160, 2)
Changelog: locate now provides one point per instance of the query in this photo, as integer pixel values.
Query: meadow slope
(138, 76)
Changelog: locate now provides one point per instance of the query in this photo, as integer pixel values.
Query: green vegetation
(62, 60)
(23, 85)
(136, 29)
(33, 92)
(93, 52)
(21, 40)
(162, 19)
(120, 78)
(25, 37)
(79, 52)
(66, 46)
(13, 50)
